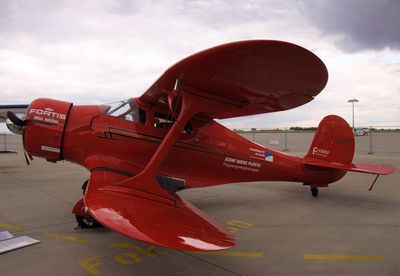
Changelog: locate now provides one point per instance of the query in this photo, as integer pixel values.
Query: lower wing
(152, 218)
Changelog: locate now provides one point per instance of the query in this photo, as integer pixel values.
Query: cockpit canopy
(130, 111)
(127, 110)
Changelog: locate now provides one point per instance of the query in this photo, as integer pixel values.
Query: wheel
(87, 222)
(84, 186)
(314, 191)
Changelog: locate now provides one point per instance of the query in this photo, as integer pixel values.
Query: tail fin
(333, 147)
(333, 142)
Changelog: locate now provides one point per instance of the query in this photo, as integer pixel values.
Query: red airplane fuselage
(205, 154)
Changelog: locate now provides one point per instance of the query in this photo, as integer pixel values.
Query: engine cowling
(46, 121)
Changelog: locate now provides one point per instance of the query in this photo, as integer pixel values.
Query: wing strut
(145, 183)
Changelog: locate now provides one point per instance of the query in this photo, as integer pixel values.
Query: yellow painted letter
(91, 264)
(127, 258)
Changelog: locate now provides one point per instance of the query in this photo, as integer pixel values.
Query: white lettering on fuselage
(240, 164)
(51, 149)
(48, 113)
(257, 153)
(320, 152)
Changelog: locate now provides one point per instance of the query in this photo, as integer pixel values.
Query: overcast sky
(102, 51)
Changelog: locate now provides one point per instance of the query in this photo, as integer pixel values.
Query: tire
(87, 222)
(314, 191)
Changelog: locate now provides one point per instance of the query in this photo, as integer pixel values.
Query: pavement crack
(210, 263)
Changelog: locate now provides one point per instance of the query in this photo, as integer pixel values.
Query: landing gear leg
(84, 186)
(86, 221)
(314, 191)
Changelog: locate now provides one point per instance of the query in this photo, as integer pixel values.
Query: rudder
(333, 141)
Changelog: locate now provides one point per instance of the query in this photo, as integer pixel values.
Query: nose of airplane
(42, 127)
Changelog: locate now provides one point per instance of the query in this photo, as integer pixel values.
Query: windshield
(118, 109)
(126, 110)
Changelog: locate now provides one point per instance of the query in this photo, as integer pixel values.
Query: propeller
(15, 119)
(15, 123)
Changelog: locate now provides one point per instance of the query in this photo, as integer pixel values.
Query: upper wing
(150, 217)
(256, 76)
(16, 108)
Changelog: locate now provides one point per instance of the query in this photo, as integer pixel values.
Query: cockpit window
(118, 108)
(127, 110)
(161, 120)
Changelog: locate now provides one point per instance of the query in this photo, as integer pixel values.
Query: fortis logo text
(48, 112)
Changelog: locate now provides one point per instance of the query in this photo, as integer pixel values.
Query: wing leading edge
(256, 76)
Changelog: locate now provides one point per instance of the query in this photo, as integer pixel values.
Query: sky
(91, 52)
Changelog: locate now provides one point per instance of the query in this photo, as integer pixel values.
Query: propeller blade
(15, 119)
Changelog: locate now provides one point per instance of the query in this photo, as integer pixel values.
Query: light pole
(352, 101)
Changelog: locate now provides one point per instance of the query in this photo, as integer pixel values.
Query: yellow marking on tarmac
(91, 264)
(239, 224)
(7, 226)
(66, 237)
(150, 252)
(127, 258)
(342, 257)
(232, 229)
(233, 226)
(244, 254)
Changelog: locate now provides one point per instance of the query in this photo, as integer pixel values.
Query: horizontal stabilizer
(151, 219)
(363, 168)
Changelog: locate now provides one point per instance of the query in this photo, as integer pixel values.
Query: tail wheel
(87, 222)
(314, 191)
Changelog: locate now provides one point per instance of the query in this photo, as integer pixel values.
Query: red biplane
(141, 151)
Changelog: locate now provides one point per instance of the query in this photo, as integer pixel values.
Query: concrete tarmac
(280, 228)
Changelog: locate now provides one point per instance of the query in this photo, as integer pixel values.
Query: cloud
(74, 50)
(103, 51)
(371, 77)
(356, 25)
